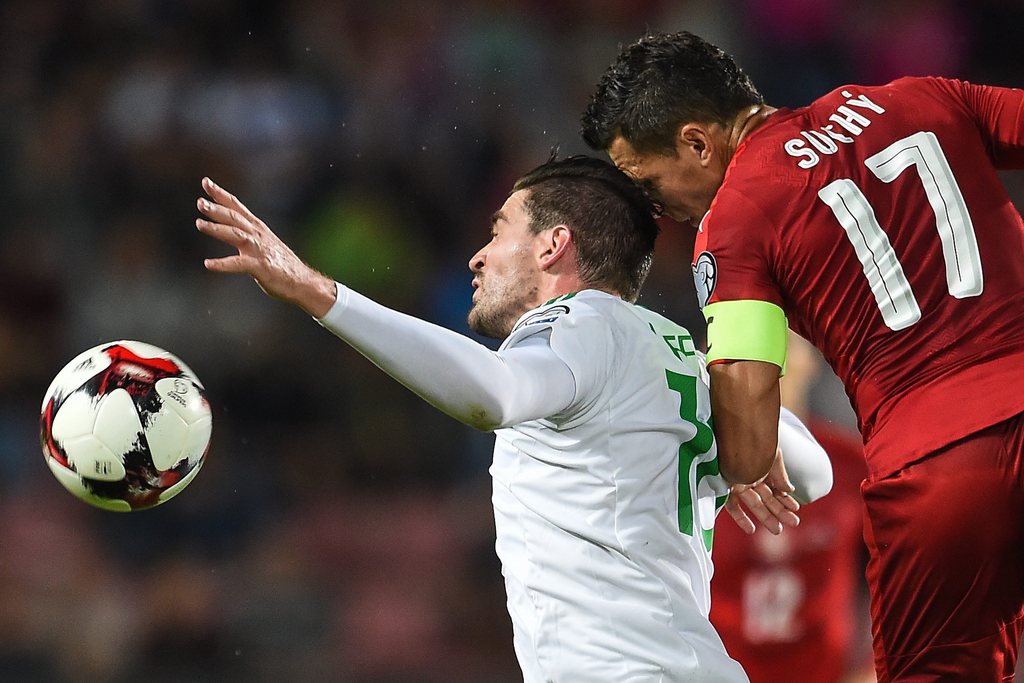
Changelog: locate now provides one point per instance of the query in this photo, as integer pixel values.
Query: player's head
(611, 220)
(668, 99)
(661, 82)
(578, 221)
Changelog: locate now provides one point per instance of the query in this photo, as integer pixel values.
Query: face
(505, 271)
(683, 184)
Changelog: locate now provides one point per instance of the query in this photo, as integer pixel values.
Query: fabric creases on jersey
(887, 237)
(602, 583)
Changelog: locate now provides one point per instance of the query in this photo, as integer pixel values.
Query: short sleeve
(999, 113)
(733, 253)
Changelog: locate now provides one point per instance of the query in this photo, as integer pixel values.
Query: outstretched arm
(466, 380)
(454, 373)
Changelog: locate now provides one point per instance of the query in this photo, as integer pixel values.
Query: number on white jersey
(701, 443)
(889, 284)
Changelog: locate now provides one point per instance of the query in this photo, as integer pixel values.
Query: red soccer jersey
(785, 604)
(876, 220)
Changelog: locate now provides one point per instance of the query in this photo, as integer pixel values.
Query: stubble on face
(502, 300)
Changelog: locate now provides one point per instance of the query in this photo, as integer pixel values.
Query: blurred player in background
(605, 477)
(793, 601)
(874, 223)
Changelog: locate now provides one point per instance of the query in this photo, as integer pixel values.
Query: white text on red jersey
(850, 117)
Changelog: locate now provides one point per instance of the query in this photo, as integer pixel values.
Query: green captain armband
(746, 330)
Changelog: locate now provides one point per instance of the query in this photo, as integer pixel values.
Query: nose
(476, 263)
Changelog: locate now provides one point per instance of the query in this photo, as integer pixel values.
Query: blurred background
(341, 529)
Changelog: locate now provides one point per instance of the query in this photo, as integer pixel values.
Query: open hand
(261, 253)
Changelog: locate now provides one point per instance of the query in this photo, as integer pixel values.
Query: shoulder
(739, 221)
(950, 87)
(584, 330)
(737, 248)
(571, 314)
(921, 97)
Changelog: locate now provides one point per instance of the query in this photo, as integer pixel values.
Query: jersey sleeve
(485, 389)
(581, 338)
(1000, 116)
(742, 304)
(807, 463)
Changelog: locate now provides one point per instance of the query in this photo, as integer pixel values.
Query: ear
(695, 139)
(555, 244)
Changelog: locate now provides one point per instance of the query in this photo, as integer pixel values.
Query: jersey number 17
(889, 284)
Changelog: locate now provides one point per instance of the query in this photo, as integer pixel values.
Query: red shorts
(946, 567)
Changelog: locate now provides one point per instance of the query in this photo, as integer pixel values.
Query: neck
(746, 122)
(556, 285)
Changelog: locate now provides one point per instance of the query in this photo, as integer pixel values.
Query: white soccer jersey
(604, 512)
(605, 474)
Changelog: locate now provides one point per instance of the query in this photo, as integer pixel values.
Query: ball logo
(180, 392)
(705, 276)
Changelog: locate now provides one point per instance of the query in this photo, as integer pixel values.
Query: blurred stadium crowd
(341, 530)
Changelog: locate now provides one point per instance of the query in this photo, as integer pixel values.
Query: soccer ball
(125, 426)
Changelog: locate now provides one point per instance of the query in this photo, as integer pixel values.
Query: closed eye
(653, 196)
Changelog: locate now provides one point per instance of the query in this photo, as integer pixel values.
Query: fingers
(779, 481)
(781, 505)
(768, 501)
(756, 506)
(769, 509)
(788, 501)
(732, 506)
(229, 234)
(227, 220)
(777, 477)
(219, 213)
(229, 264)
(221, 196)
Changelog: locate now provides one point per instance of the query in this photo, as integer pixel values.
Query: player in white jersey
(605, 470)
(604, 510)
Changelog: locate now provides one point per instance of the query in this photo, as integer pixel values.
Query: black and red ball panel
(125, 425)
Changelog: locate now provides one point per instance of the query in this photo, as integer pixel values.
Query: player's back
(883, 230)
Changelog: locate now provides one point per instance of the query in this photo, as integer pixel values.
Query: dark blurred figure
(797, 602)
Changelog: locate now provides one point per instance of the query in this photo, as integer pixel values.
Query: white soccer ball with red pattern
(125, 426)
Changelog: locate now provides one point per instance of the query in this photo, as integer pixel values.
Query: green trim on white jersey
(563, 297)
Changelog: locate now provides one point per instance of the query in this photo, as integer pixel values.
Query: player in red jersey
(873, 223)
(792, 602)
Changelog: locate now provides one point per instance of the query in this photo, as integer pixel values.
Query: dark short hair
(659, 83)
(611, 219)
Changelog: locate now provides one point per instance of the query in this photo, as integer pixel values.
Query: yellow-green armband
(746, 330)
